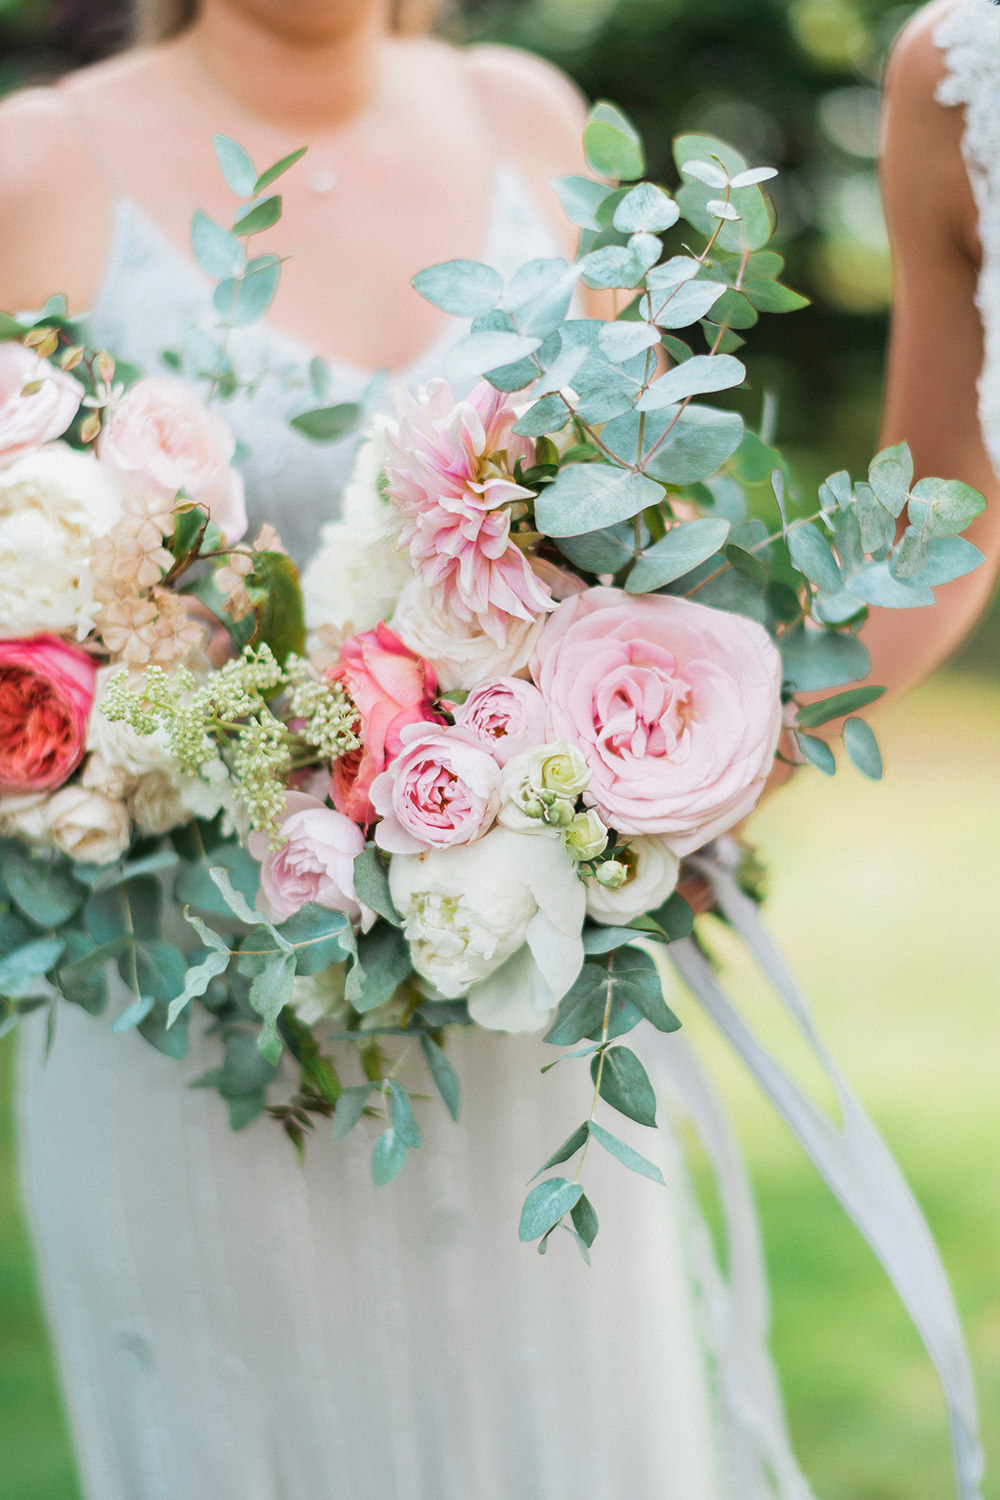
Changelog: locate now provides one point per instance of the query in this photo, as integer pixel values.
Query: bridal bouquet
(569, 618)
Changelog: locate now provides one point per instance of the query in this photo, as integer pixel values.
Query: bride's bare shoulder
(917, 60)
(532, 106)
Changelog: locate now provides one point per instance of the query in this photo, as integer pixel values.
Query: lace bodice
(969, 36)
(291, 481)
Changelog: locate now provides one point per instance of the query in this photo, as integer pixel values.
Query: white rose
(652, 874)
(165, 799)
(320, 997)
(88, 825)
(357, 575)
(541, 785)
(54, 504)
(460, 656)
(23, 816)
(499, 920)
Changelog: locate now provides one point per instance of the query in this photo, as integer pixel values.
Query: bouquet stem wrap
(854, 1161)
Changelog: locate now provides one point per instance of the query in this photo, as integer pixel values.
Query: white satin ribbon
(854, 1161)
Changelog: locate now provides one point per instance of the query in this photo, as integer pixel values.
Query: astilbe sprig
(232, 715)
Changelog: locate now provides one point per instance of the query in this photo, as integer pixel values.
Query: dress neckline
(130, 216)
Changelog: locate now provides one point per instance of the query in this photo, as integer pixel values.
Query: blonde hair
(157, 20)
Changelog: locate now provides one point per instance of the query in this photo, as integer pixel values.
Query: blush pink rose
(315, 862)
(391, 687)
(28, 422)
(443, 788)
(46, 691)
(507, 714)
(677, 708)
(162, 438)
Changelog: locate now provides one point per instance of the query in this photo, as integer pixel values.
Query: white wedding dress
(230, 1326)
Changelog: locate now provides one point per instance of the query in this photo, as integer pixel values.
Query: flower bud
(612, 874)
(532, 807)
(586, 836)
(560, 813)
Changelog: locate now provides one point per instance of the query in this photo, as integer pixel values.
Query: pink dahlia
(449, 473)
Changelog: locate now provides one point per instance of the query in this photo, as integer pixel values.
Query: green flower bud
(612, 874)
(560, 814)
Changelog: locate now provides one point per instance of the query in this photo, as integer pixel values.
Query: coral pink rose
(390, 687)
(46, 691)
(677, 708)
(315, 861)
(28, 422)
(162, 438)
(442, 788)
(507, 714)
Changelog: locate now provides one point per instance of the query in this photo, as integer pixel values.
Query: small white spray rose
(88, 825)
(586, 836)
(541, 785)
(650, 875)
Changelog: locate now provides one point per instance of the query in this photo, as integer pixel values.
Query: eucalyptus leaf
(952, 506)
(686, 303)
(625, 1154)
(623, 341)
(816, 659)
(811, 715)
(383, 963)
(584, 1220)
(21, 970)
(601, 552)
(403, 1122)
(539, 295)
(199, 977)
(244, 300)
(258, 216)
(878, 529)
(444, 1075)
(326, 424)
(862, 749)
(349, 1109)
(371, 882)
(388, 1158)
(42, 888)
(772, 297)
(464, 288)
(876, 584)
(890, 476)
(218, 253)
(625, 1085)
(948, 557)
(270, 992)
(681, 550)
(318, 937)
(701, 440)
(818, 753)
(278, 170)
(581, 197)
(237, 168)
(545, 1205)
(813, 556)
(486, 351)
(134, 1014)
(698, 376)
(612, 144)
(646, 208)
(590, 497)
(550, 414)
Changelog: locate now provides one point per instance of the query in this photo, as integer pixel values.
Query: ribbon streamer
(854, 1162)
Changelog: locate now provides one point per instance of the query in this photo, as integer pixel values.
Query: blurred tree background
(793, 83)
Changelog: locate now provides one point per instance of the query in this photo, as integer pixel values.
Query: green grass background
(887, 899)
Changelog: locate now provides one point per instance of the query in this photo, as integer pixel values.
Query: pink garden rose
(677, 708)
(315, 861)
(391, 687)
(28, 422)
(162, 438)
(443, 788)
(46, 691)
(507, 714)
(449, 472)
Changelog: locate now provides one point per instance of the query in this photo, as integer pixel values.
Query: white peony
(460, 656)
(88, 825)
(320, 997)
(22, 815)
(357, 574)
(54, 504)
(651, 876)
(499, 920)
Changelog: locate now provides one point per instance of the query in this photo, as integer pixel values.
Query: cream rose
(28, 422)
(54, 504)
(162, 439)
(87, 825)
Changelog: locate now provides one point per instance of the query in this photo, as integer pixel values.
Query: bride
(228, 1325)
